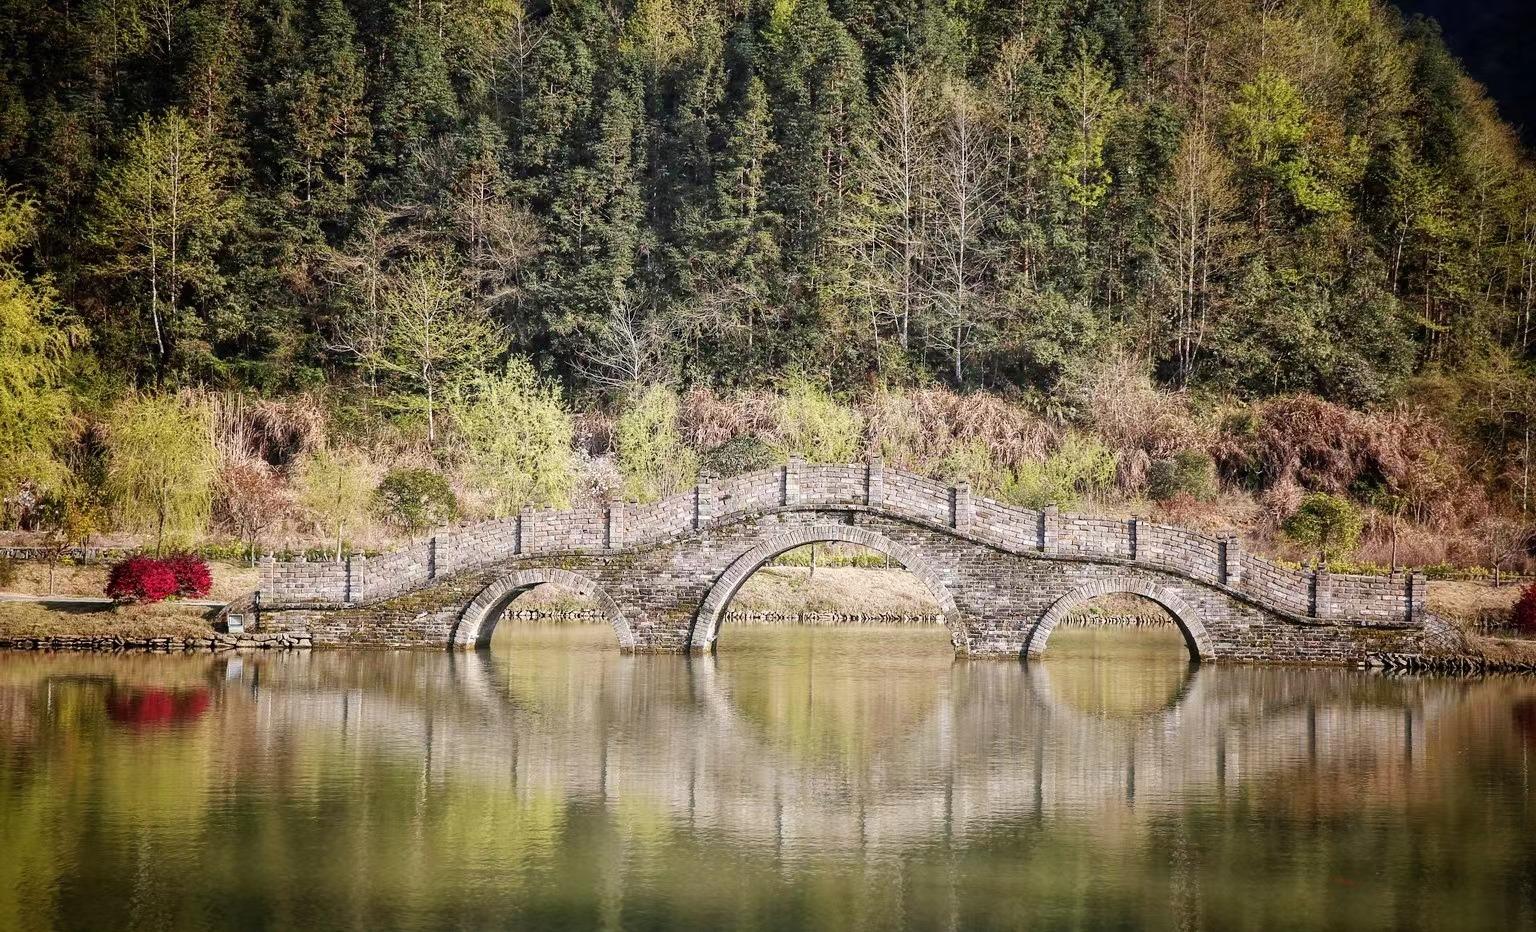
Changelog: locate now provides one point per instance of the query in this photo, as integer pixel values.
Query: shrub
(1524, 618)
(1191, 472)
(652, 456)
(1082, 466)
(517, 439)
(141, 579)
(193, 580)
(741, 455)
(1326, 523)
(8, 571)
(815, 425)
(914, 430)
(414, 500)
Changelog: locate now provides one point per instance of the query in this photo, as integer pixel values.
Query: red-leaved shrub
(193, 581)
(140, 579)
(1525, 610)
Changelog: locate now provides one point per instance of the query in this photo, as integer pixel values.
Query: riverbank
(777, 595)
(65, 625)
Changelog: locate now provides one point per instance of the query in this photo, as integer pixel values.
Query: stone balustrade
(619, 526)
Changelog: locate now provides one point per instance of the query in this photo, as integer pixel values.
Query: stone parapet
(867, 487)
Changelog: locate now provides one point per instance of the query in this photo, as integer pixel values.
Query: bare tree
(628, 350)
(433, 335)
(965, 201)
(1198, 214)
(887, 236)
(496, 236)
(361, 272)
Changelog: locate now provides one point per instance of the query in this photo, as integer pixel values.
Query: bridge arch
(480, 617)
(706, 625)
(1196, 637)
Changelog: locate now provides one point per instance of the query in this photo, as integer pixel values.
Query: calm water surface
(801, 779)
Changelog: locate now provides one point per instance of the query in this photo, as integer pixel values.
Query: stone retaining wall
(217, 641)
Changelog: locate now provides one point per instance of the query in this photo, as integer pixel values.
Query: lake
(802, 778)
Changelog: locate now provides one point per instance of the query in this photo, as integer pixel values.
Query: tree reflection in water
(799, 779)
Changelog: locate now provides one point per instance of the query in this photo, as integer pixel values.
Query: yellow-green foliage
(1081, 466)
(653, 459)
(517, 439)
(973, 462)
(1326, 523)
(334, 486)
(816, 426)
(35, 344)
(160, 464)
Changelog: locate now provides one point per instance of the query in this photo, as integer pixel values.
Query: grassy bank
(60, 619)
(230, 581)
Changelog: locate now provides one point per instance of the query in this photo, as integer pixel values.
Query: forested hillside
(373, 205)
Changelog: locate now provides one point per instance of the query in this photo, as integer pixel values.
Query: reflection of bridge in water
(995, 744)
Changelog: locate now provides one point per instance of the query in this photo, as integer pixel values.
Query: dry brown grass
(1503, 649)
(41, 620)
(1138, 421)
(1471, 603)
(916, 430)
(708, 419)
(791, 589)
(229, 581)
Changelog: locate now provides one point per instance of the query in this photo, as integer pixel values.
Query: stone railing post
(874, 482)
(442, 553)
(1322, 594)
(525, 531)
(1133, 537)
(794, 471)
(1418, 596)
(267, 577)
(962, 509)
(1231, 561)
(356, 566)
(1047, 533)
(618, 511)
(703, 500)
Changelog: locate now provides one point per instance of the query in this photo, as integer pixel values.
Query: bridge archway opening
(1118, 626)
(826, 577)
(549, 616)
(576, 599)
(1120, 619)
(1120, 656)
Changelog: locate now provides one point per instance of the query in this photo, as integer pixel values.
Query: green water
(801, 779)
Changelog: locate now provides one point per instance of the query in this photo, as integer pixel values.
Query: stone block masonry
(666, 571)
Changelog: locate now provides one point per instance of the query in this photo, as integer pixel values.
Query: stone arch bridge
(1003, 576)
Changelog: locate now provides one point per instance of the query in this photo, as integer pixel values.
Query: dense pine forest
(1122, 249)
